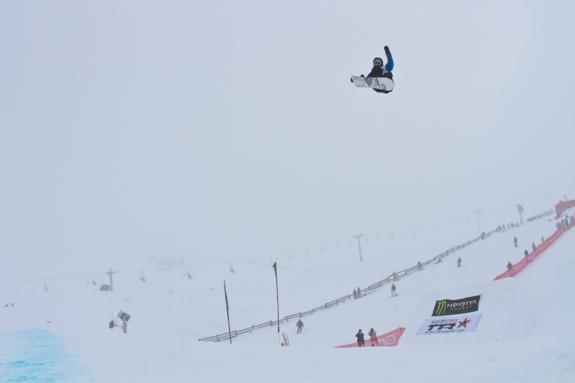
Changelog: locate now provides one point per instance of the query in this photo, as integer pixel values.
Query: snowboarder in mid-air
(378, 71)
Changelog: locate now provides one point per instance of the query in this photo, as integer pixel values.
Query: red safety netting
(386, 340)
(522, 264)
(562, 206)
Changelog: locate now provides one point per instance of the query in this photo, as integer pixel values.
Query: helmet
(377, 61)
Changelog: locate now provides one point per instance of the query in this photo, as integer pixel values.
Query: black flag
(277, 294)
(228, 312)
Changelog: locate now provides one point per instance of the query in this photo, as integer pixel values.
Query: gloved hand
(386, 49)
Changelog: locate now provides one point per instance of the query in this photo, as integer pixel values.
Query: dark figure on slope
(459, 262)
(299, 326)
(373, 337)
(360, 338)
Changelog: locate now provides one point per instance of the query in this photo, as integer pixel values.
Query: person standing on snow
(373, 337)
(299, 326)
(360, 338)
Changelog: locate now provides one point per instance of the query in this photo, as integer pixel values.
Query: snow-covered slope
(524, 333)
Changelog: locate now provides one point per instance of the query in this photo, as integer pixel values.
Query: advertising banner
(388, 339)
(461, 323)
(455, 307)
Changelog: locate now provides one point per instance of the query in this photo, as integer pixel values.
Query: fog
(229, 130)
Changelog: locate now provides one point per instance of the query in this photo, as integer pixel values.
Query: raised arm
(390, 63)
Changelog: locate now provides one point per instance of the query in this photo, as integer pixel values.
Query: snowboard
(379, 83)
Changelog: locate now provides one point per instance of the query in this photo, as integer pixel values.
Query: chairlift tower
(358, 238)
(111, 274)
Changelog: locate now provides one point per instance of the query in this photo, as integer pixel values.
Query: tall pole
(277, 294)
(358, 238)
(110, 274)
(228, 312)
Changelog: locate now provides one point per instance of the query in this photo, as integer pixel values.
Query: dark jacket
(384, 70)
(378, 71)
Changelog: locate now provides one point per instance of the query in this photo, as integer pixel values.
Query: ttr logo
(441, 326)
(441, 307)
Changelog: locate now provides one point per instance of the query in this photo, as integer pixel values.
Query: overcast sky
(229, 129)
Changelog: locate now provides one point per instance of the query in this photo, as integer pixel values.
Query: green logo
(440, 307)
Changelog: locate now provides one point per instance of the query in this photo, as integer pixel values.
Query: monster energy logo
(459, 306)
(440, 307)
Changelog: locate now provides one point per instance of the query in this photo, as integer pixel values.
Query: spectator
(509, 265)
(299, 325)
(373, 337)
(358, 292)
(459, 262)
(360, 338)
(533, 246)
(125, 318)
(526, 253)
(515, 241)
(354, 294)
(393, 290)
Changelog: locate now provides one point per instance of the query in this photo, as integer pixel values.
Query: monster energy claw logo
(440, 307)
(458, 306)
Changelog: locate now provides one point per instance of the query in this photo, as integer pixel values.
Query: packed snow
(524, 334)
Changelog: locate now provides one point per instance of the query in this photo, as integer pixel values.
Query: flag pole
(228, 312)
(277, 294)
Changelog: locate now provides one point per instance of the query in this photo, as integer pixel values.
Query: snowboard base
(380, 83)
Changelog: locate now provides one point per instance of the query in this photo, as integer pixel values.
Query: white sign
(441, 325)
